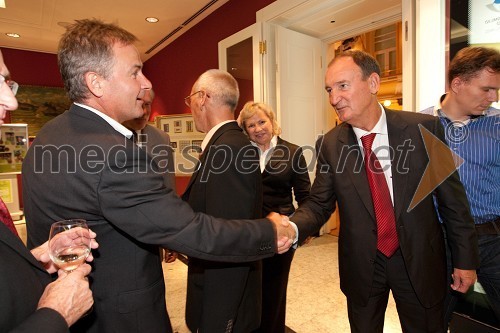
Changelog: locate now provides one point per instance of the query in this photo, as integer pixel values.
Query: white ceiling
(325, 19)
(38, 21)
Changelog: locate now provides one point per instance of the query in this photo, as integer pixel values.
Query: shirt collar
(211, 133)
(272, 144)
(379, 128)
(113, 123)
(438, 112)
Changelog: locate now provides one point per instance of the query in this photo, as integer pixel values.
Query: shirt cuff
(296, 240)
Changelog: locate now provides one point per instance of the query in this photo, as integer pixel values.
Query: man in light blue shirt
(472, 128)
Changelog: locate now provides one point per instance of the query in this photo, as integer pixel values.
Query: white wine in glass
(69, 243)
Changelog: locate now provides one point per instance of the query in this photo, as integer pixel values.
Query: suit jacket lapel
(278, 154)
(17, 245)
(354, 166)
(396, 127)
(203, 156)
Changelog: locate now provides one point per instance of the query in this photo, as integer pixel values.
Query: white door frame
(424, 48)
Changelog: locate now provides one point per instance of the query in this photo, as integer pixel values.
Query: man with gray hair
(227, 184)
(83, 164)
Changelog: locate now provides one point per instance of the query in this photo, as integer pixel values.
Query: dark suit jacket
(157, 144)
(228, 184)
(79, 166)
(341, 178)
(285, 170)
(22, 281)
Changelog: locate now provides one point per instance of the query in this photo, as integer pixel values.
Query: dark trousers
(275, 271)
(390, 275)
(488, 276)
(223, 297)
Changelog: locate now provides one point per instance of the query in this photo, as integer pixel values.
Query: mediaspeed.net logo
(495, 6)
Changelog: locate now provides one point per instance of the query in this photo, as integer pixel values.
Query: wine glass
(69, 243)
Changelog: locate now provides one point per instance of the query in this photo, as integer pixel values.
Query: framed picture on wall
(185, 140)
(38, 105)
(13, 146)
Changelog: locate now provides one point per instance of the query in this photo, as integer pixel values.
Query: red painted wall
(33, 68)
(172, 71)
(175, 68)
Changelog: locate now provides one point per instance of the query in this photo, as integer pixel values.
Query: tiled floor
(315, 302)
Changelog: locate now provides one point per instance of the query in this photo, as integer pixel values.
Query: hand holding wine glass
(69, 243)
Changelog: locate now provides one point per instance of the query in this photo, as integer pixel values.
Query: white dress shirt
(211, 133)
(266, 155)
(380, 147)
(116, 125)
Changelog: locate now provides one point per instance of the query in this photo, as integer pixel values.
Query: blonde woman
(284, 171)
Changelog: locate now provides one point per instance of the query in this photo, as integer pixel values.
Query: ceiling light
(152, 19)
(13, 35)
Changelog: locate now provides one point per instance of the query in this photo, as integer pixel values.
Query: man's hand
(69, 294)
(284, 231)
(168, 256)
(41, 253)
(463, 279)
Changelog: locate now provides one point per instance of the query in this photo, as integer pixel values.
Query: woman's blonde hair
(251, 108)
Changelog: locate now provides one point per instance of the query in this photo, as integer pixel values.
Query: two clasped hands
(69, 294)
(286, 232)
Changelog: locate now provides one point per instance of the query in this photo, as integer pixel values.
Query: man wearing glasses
(227, 184)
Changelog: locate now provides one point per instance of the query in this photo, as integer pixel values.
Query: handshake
(285, 232)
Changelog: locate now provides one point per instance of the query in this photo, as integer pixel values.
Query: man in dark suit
(415, 268)
(83, 164)
(227, 184)
(30, 300)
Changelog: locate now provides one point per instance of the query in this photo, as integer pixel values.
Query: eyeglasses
(187, 99)
(12, 84)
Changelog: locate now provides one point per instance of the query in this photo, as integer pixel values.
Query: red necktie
(387, 237)
(6, 218)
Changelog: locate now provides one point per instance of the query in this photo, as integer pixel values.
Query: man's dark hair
(469, 61)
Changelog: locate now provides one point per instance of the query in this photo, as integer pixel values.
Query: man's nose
(493, 95)
(145, 83)
(334, 98)
(8, 101)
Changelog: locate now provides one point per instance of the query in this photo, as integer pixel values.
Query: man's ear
(203, 99)
(374, 82)
(455, 85)
(95, 83)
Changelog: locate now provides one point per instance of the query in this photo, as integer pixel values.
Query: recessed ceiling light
(13, 35)
(152, 19)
